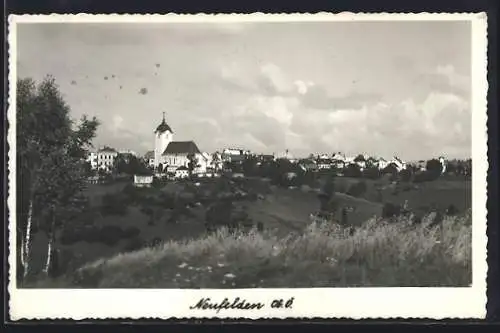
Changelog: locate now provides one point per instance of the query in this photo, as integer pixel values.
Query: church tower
(163, 136)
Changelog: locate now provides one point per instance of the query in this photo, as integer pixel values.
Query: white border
(355, 303)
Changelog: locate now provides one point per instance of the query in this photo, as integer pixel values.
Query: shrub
(134, 244)
(390, 210)
(114, 204)
(70, 236)
(372, 173)
(155, 242)
(131, 232)
(405, 175)
(110, 235)
(452, 210)
(357, 189)
(352, 170)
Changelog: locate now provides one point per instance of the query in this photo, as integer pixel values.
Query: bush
(451, 210)
(357, 189)
(134, 244)
(405, 175)
(131, 232)
(425, 176)
(70, 236)
(390, 210)
(353, 170)
(372, 173)
(110, 235)
(114, 204)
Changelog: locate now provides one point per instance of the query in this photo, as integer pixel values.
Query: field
(290, 251)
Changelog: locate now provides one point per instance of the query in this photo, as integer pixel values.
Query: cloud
(438, 125)
(317, 97)
(116, 123)
(445, 79)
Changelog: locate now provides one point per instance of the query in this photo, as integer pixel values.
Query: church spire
(163, 127)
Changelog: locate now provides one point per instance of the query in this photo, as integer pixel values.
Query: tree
(120, 165)
(371, 172)
(327, 193)
(193, 163)
(434, 168)
(353, 170)
(160, 168)
(51, 164)
(250, 165)
(216, 161)
(405, 175)
(359, 158)
(87, 167)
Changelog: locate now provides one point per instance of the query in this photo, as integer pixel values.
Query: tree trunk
(50, 244)
(49, 256)
(26, 244)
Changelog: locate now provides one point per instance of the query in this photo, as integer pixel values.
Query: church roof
(181, 147)
(163, 127)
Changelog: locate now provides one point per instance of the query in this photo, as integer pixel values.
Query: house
(181, 172)
(234, 155)
(265, 158)
(171, 155)
(143, 180)
(382, 163)
(324, 162)
(399, 163)
(102, 159)
(308, 165)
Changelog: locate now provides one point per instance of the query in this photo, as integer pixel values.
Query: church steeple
(163, 127)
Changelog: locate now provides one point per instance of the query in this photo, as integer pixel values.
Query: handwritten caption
(240, 304)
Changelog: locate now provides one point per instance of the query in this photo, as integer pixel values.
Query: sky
(378, 88)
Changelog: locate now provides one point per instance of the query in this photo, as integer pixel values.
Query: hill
(323, 255)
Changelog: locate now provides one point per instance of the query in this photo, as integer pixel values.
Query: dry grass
(324, 255)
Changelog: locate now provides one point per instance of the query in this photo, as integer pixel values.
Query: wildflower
(220, 265)
(182, 265)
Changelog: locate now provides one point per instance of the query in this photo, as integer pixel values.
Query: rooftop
(181, 147)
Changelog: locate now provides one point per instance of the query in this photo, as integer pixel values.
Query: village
(183, 159)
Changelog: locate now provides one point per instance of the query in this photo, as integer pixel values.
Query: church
(172, 155)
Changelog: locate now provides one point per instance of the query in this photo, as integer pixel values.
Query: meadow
(169, 247)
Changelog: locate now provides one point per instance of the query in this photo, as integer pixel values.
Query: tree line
(50, 172)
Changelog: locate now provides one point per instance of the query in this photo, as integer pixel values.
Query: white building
(102, 159)
(143, 181)
(171, 155)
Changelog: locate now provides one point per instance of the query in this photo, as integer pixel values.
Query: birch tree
(51, 152)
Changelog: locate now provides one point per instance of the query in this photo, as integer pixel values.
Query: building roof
(163, 127)
(181, 147)
(107, 149)
(181, 168)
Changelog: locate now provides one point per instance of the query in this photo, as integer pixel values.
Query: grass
(323, 255)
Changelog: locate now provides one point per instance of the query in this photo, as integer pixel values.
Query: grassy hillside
(377, 254)
(280, 210)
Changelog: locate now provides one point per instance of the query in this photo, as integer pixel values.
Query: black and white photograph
(244, 163)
